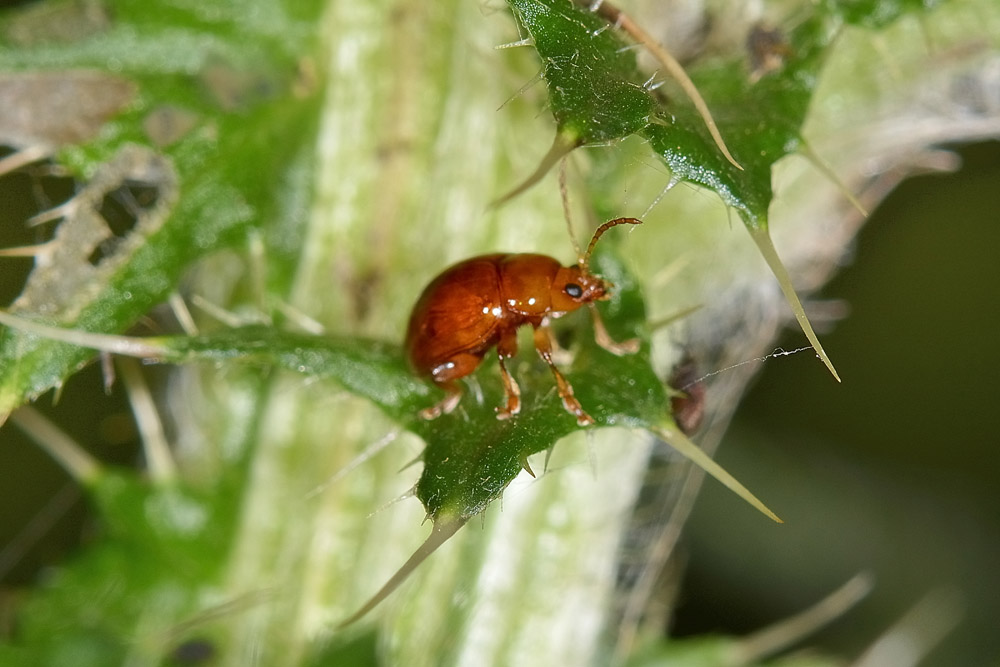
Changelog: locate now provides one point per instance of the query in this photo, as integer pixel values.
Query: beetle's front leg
(603, 338)
(507, 348)
(543, 343)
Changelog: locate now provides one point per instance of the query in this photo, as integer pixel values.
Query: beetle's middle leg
(507, 348)
(543, 343)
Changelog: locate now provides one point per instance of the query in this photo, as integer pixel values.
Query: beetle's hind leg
(445, 405)
(543, 343)
(446, 376)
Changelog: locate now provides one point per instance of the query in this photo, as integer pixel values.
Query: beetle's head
(575, 286)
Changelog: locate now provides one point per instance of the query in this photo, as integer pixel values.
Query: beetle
(481, 303)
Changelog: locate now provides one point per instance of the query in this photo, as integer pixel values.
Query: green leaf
(759, 113)
(372, 369)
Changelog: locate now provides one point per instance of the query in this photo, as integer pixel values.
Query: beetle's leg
(560, 355)
(446, 376)
(512, 391)
(447, 404)
(543, 343)
(603, 338)
(507, 348)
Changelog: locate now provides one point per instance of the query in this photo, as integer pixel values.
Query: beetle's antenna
(600, 232)
(564, 194)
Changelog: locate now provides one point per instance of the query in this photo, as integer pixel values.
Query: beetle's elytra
(481, 302)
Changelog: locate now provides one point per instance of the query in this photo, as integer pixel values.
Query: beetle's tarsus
(433, 412)
(582, 418)
(445, 406)
(508, 412)
(572, 405)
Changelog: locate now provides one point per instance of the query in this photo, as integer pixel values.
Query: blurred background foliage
(895, 471)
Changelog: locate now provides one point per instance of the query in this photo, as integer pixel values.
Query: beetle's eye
(573, 290)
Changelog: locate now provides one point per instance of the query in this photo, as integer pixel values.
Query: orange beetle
(482, 301)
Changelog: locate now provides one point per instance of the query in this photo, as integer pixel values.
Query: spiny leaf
(372, 369)
(471, 457)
